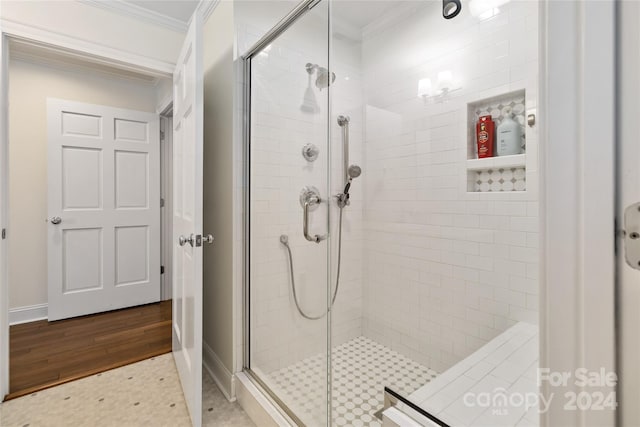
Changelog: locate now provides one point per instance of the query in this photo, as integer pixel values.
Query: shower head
(309, 102)
(354, 171)
(322, 79)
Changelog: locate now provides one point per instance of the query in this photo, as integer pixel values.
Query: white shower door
(103, 208)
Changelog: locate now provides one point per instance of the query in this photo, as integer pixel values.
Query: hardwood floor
(44, 354)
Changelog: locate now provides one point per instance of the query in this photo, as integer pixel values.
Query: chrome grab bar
(311, 201)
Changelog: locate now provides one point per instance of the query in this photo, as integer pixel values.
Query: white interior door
(104, 208)
(4, 196)
(187, 218)
(628, 198)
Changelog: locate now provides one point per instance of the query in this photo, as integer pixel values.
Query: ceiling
(180, 10)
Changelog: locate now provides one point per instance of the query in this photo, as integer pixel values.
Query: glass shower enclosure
(384, 258)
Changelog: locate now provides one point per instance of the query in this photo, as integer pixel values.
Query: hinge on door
(161, 135)
(161, 202)
(162, 269)
(4, 233)
(631, 234)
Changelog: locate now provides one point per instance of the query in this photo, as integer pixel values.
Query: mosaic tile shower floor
(361, 370)
(146, 393)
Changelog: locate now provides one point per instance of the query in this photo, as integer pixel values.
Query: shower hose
(285, 241)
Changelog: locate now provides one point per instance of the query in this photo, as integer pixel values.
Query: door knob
(195, 240)
(56, 220)
(183, 240)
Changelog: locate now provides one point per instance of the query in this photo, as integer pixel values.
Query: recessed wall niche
(497, 173)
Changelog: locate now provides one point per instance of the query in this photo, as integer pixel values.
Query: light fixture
(445, 81)
(451, 8)
(484, 9)
(444, 86)
(424, 87)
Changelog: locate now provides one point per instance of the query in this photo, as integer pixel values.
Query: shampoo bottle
(509, 136)
(485, 136)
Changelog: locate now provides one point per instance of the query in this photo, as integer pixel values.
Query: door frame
(577, 204)
(55, 42)
(166, 207)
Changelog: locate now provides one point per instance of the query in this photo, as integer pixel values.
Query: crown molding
(205, 9)
(137, 12)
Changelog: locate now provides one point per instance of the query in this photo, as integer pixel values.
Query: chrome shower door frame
(277, 30)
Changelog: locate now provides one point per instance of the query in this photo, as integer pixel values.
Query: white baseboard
(29, 313)
(223, 378)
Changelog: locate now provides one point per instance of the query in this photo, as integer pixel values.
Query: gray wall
(218, 194)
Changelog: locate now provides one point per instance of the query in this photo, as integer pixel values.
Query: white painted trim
(30, 313)
(4, 210)
(577, 209)
(61, 63)
(87, 50)
(261, 410)
(223, 378)
(137, 12)
(166, 216)
(164, 105)
(206, 7)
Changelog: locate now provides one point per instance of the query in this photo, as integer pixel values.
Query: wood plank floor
(44, 354)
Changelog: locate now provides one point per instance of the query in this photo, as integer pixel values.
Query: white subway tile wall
(445, 270)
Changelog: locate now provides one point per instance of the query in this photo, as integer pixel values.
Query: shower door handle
(305, 221)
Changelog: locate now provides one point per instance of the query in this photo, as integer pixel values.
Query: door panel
(104, 186)
(187, 218)
(628, 279)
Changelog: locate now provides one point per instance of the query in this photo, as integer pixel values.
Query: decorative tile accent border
(494, 180)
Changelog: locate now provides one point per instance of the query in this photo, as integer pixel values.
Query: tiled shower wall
(280, 336)
(429, 269)
(444, 270)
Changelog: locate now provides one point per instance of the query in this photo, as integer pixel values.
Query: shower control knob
(310, 152)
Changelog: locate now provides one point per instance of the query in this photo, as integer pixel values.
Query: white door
(628, 198)
(103, 208)
(187, 218)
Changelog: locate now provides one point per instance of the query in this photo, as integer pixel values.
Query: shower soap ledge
(498, 162)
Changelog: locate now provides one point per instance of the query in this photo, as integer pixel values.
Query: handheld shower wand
(350, 172)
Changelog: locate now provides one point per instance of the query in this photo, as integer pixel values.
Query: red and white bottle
(485, 136)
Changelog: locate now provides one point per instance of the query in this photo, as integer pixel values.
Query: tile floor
(361, 370)
(146, 393)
